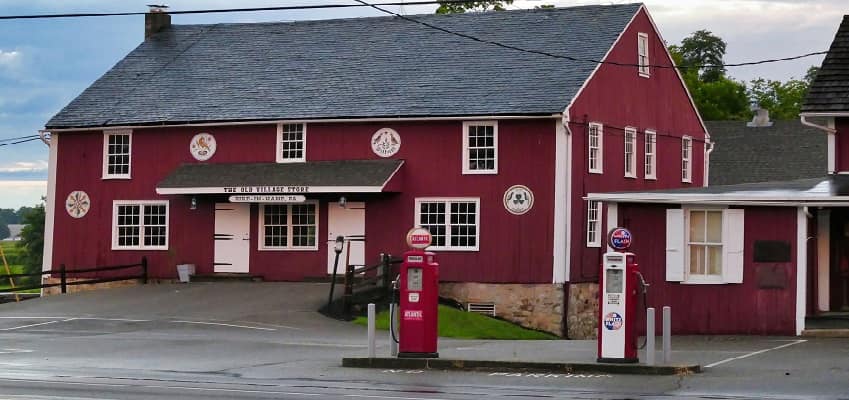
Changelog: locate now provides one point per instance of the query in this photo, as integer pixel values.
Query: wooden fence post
(63, 279)
(144, 270)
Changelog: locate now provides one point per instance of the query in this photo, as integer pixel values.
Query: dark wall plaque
(772, 251)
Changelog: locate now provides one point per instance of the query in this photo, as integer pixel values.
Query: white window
(288, 226)
(595, 141)
(643, 54)
(139, 225)
(651, 155)
(630, 152)
(291, 143)
(704, 245)
(480, 147)
(593, 223)
(116, 154)
(686, 159)
(453, 223)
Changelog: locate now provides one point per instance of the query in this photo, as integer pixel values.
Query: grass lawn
(13, 255)
(460, 324)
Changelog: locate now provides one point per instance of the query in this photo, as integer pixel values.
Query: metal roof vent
(481, 308)
(761, 118)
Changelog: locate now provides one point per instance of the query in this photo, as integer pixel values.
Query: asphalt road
(264, 340)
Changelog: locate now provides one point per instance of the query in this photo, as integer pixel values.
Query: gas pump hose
(644, 288)
(394, 309)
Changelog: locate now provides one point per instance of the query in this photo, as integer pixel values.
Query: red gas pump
(618, 290)
(418, 314)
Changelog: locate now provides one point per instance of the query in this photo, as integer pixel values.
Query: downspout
(707, 163)
(832, 154)
(804, 121)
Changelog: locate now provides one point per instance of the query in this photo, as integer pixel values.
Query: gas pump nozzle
(643, 285)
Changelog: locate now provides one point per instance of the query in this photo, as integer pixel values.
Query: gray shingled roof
(350, 68)
(830, 90)
(356, 173)
(784, 151)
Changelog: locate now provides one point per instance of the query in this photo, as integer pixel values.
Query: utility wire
(226, 10)
(19, 138)
(20, 141)
(565, 57)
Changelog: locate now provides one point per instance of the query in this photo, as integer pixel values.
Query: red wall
(512, 248)
(842, 144)
(717, 309)
(618, 97)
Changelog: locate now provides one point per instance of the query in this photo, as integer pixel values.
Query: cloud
(21, 193)
(24, 166)
(9, 58)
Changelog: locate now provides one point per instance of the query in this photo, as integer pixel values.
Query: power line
(226, 10)
(20, 141)
(18, 138)
(587, 60)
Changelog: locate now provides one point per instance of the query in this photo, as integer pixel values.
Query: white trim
(719, 199)
(306, 121)
(823, 259)
(630, 167)
(599, 168)
(465, 167)
(392, 175)
(448, 200)
(801, 268)
(289, 235)
(50, 204)
(832, 155)
(708, 148)
(570, 157)
(596, 240)
(687, 171)
(141, 204)
(561, 170)
(825, 114)
(279, 147)
(309, 189)
(105, 163)
(644, 70)
(612, 219)
(653, 134)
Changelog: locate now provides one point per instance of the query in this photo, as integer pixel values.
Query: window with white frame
(704, 245)
(651, 155)
(630, 152)
(289, 226)
(117, 154)
(595, 143)
(686, 159)
(480, 147)
(593, 223)
(453, 223)
(139, 225)
(643, 54)
(291, 143)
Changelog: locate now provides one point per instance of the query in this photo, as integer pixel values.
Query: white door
(347, 221)
(232, 237)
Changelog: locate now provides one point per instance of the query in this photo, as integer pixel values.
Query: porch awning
(349, 176)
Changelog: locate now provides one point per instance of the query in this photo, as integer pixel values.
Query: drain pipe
(803, 119)
(832, 158)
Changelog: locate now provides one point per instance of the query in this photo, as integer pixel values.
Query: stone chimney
(156, 19)
(761, 118)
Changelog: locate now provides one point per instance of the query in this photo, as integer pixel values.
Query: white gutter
(289, 121)
(708, 150)
(827, 129)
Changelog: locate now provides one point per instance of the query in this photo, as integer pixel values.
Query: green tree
(9, 215)
(4, 229)
(782, 99)
(719, 98)
(478, 5)
(703, 52)
(32, 239)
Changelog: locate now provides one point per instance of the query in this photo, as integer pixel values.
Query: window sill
(114, 248)
(291, 160)
(596, 172)
(631, 176)
(480, 172)
(288, 249)
(593, 245)
(644, 75)
(453, 249)
(705, 281)
(651, 178)
(116, 177)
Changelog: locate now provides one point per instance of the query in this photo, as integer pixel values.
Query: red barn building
(755, 258)
(232, 147)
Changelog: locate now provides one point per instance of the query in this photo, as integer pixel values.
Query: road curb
(521, 366)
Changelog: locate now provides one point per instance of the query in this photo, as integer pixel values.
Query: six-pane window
(291, 143)
(595, 142)
(643, 54)
(630, 150)
(651, 157)
(593, 223)
(705, 243)
(116, 162)
(289, 226)
(452, 223)
(140, 225)
(480, 147)
(686, 163)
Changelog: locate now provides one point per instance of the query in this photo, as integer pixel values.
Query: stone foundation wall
(535, 306)
(582, 315)
(94, 286)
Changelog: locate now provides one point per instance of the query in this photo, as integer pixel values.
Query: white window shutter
(732, 246)
(675, 245)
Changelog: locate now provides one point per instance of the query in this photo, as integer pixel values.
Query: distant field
(13, 257)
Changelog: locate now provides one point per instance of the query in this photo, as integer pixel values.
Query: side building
(247, 148)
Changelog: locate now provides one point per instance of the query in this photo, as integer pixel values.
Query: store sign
(419, 238)
(619, 238)
(266, 189)
(268, 198)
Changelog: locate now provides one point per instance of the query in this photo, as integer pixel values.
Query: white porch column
(823, 258)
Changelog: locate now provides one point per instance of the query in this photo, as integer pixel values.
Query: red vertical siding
(512, 248)
(618, 97)
(718, 309)
(842, 144)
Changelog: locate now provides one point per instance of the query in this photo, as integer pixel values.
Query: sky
(45, 63)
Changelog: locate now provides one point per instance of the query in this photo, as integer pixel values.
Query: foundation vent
(481, 308)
